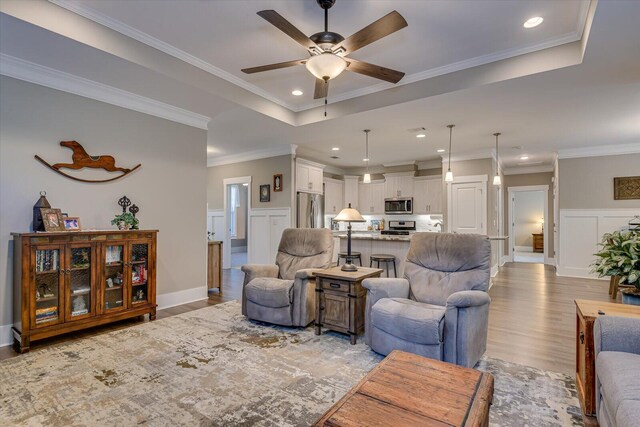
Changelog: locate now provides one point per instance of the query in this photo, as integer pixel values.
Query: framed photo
(71, 223)
(265, 193)
(277, 182)
(52, 219)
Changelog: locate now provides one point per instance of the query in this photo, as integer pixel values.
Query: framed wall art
(265, 193)
(277, 182)
(626, 188)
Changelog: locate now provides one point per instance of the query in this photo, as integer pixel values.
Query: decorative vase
(630, 296)
(123, 225)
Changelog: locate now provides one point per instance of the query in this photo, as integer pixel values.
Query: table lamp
(349, 215)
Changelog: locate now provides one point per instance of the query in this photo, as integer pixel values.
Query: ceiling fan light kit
(326, 66)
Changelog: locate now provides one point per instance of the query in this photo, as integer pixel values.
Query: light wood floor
(532, 318)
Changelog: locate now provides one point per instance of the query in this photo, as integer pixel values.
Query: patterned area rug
(213, 367)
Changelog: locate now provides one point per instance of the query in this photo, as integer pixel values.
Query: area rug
(213, 367)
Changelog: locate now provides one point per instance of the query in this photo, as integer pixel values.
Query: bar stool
(386, 259)
(354, 255)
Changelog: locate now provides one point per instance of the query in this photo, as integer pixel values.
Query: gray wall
(169, 187)
(261, 171)
(587, 183)
(544, 178)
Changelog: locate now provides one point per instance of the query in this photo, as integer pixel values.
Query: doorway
(236, 219)
(528, 208)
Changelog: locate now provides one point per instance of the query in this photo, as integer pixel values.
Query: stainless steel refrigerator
(310, 208)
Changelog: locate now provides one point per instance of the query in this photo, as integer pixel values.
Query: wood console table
(340, 300)
(410, 390)
(586, 314)
(538, 242)
(214, 265)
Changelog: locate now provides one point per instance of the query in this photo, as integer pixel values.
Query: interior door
(468, 208)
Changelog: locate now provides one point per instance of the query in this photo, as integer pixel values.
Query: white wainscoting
(580, 232)
(265, 229)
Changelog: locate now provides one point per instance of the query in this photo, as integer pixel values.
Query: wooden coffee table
(340, 300)
(410, 390)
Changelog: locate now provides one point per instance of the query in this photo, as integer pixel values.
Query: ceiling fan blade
(273, 66)
(322, 88)
(275, 19)
(375, 71)
(384, 26)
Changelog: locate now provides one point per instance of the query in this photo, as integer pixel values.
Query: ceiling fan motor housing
(326, 4)
(326, 39)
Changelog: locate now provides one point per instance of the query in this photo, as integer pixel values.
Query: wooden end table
(586, 314)
(410, 390)
(340, 300)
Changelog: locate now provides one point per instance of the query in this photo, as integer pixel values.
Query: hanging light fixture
(449, 175)
(497, 181)
(367, 176)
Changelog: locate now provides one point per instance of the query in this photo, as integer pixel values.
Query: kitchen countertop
(375, 236)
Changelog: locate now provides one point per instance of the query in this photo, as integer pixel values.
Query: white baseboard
(6, 336)
(494, 270)
(504, 259)
(238, 249)
(172, 299)
(550, 261)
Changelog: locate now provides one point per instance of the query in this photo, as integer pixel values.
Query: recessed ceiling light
(421, 135)
(297, 92)
(442, 150)
(533, 22)
(524, 157)
(365, 159)
(335, 149)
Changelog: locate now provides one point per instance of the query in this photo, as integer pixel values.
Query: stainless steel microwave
(398, 206)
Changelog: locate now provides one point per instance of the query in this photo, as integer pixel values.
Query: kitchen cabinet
(427, 195)
(371, 198)
(398, 185)
(333, 196)
(309, 176)
(351, 187)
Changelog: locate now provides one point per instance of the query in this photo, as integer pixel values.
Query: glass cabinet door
(80, 303)
(139, 263)
(47, 286)
(114, 267)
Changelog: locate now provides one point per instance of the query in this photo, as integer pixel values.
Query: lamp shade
(367, 178)
(326, 66)
(349, 215)
(497, 181)
(449, 176)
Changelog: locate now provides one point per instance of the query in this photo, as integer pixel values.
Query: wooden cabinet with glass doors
(68, 281)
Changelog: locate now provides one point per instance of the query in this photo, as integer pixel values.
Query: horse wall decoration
(81, 159)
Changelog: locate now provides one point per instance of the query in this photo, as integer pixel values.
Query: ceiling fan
(328, 50)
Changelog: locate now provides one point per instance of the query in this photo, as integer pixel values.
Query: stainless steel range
(400, 228)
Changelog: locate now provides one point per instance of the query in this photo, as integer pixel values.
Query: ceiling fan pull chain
(325, 106)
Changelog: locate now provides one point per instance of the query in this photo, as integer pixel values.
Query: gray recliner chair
(284, 293)
(440, 309)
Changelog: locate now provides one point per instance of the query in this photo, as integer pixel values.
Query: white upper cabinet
(371, 198)
(309, 176)
(427, 195)
(333, 196)
(398, 184)
(351, 191)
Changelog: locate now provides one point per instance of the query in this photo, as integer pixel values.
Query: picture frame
(277, 182)
(71, 223)
(626, 188)
(52, 219)
(265, 193)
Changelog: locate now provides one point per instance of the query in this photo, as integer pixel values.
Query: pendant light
(497, 181)
(367, 176)
(449, 176)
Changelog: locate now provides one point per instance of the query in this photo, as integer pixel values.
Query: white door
(468, 208)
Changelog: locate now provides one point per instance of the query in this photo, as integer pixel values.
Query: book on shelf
(113, 254)
(46, 310)
(81, 290)
(79, 312)
(47, 260)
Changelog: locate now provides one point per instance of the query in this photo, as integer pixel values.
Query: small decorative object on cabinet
(66, 282)
(52, 219)
(71, 223)
(277, 182)
(42, 202)
(586, 313)
(340, 300)
(538, 242)
(214, 265)
(265, 193)
(134, 210)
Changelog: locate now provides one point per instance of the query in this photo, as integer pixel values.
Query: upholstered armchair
(440, 309)
(284, 293)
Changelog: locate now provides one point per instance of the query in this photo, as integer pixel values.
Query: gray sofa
(617, 348)
(440, 309)
(284, 293)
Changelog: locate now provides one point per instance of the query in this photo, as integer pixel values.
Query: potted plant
(125, 221)
(620, 256)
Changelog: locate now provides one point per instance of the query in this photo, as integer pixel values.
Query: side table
(340, 300)
(586, 314)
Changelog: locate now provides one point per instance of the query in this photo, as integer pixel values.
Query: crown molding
(430, 164)
(155, 43)
(527, 169)
(401, 163)
(34, 73)
(310, 163)
(602, 150)
(472, 155)
(252, 155)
